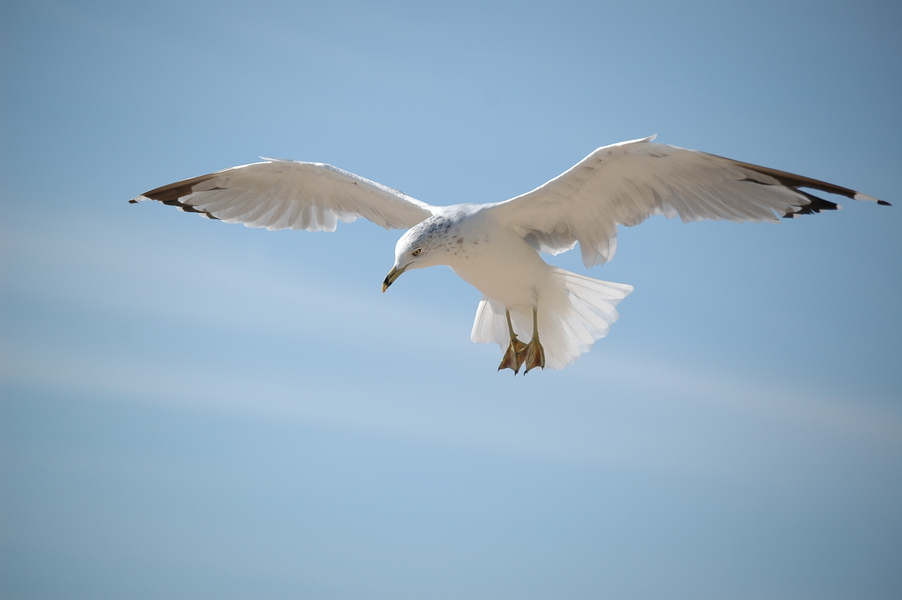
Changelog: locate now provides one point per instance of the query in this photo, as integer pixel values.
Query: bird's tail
(566, 328)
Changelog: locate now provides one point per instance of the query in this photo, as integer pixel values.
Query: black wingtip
(883, 203)
(172, 194)
(815, 205)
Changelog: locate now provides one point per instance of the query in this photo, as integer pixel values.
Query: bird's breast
(499, 264)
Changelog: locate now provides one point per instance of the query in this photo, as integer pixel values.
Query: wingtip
(865, 197)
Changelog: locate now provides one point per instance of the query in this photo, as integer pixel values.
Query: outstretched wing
(284, 194)
(624, 184)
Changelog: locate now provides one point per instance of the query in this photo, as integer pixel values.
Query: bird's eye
(417, 252)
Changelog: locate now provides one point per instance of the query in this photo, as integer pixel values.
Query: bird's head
(421, 246)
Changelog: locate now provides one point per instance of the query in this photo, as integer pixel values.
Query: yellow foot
(534, 355)
(515, 355)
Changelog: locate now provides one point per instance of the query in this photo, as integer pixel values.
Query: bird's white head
(424, 245)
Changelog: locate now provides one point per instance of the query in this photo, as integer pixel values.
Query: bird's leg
(515, 354)
(534, 353)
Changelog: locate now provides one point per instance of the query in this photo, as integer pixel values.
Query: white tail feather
(567, 329)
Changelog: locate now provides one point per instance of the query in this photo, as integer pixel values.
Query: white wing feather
(625, 183)
(284, 194)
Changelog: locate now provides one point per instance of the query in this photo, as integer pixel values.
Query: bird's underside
(621, 184)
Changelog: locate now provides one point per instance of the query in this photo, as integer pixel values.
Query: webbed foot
(518, 354)
(534, 355)
(514, 357)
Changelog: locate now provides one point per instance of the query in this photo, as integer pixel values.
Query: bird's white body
(491, 258)
(495, 247)
(573, 311)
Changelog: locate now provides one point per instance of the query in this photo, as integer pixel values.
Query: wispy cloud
(621, 411)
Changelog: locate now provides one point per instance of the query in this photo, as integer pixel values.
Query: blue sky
(192, 409)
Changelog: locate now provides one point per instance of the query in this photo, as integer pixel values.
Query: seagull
(495, 247)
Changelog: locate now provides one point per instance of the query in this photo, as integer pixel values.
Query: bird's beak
(392, 275)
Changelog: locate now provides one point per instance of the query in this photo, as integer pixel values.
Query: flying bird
(540, 315)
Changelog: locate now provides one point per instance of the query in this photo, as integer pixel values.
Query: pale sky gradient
(190, 409)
